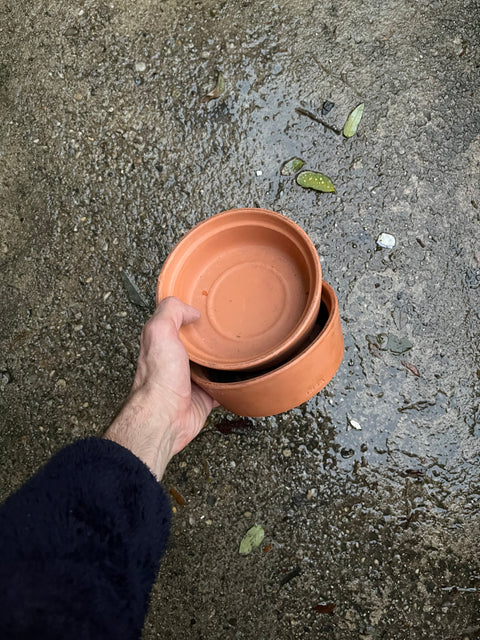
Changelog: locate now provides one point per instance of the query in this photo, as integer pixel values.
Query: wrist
(143, 428)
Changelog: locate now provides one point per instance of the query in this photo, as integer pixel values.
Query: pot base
(266, 393)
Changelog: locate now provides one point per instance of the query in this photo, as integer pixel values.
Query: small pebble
(107, 295)
(287, 453)
(71, 32)
(211, 500)
(355, 425)
(140, 66)
(386, 241)
(61, 383)
(259, 172)
(247, 514)
(5, 378)
(327, 107)
(311, 493)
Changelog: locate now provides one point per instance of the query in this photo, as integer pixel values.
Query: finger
(174, 310)
(202, 399)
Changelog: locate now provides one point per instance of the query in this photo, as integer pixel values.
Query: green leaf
(390, 342)
(217, 91)
(315, 180)
(353, 120)
(252, 539)
(398, 345)
(133, 292)
(291, 166)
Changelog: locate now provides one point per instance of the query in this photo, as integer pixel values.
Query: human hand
(164, 410)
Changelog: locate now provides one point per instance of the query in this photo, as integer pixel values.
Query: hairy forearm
(142, 428)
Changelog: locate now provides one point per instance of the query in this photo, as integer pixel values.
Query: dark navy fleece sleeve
(80, 545)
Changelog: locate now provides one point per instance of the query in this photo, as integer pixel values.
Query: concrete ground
(369, 493)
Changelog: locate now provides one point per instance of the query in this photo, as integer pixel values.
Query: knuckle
(156, 329)
(170, 302)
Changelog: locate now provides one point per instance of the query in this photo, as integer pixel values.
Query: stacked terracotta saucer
(269, 335)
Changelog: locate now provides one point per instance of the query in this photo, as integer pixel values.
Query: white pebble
(355, 425)
(140, 66)
(259, 172)
(386, 240)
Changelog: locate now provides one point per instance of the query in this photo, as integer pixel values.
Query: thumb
(174, 310)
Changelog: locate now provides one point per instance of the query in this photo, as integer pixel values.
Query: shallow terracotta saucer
(255, 276)
(287, 386)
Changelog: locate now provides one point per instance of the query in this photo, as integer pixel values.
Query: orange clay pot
(290, 384)
(255, 276)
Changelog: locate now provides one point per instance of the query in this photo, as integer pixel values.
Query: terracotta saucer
(255, 276)
(288, 385)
